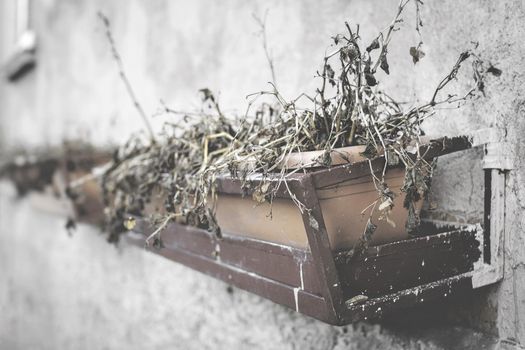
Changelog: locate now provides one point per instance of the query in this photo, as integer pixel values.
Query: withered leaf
(369, 231)
(259, 196)
(370, 79)
(324, 159)
(207, 95)
(157, 243)
(412, 220)
(463, 56)
(330, 74)
(374, 45)
(260, 193)
(265, 187)
(494, 71)
(384, 64)
(313, 222)
(349, 53)
(370, 151)
(416, 53)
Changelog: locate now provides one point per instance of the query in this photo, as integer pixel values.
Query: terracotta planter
(341, 205)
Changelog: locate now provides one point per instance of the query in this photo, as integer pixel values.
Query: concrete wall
(79, 292)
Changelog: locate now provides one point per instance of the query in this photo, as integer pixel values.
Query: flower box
(306, 268)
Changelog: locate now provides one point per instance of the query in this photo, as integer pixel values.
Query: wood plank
(292, 297)
(319, 243)
(284, 264)
(375, 308)
(405, 264)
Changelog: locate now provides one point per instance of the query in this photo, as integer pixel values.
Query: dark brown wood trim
(292, 266)
(281, 293)
(320, 245)
(486, 216)
(377, 307)
(402, 265)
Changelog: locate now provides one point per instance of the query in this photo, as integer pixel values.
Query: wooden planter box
(315, 274)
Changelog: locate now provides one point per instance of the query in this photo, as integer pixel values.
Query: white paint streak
(301, 274)
(218, 252)
(296, 297)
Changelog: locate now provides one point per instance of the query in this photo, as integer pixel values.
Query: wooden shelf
(392, 276)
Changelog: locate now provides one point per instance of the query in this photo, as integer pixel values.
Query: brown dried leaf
(416, 53)
(374, 45)
(494, 71)
(384, 64)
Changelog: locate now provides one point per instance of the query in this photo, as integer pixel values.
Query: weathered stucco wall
(79, 292)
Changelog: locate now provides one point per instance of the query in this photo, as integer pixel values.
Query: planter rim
(338, 156)
(312, 159)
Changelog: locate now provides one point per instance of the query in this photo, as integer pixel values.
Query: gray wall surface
(61, 292)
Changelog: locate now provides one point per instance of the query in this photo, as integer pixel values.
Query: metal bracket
(496, 149)
(496, 162)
